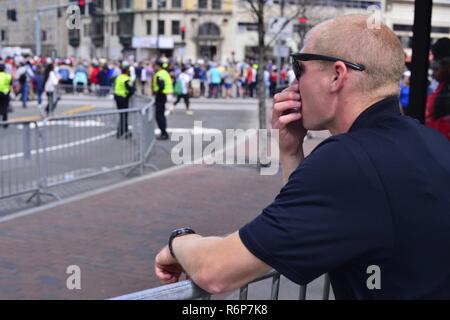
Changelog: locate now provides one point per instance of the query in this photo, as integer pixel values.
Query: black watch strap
(177, 233)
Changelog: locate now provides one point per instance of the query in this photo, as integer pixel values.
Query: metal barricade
(187, 290)
(82, 146)
(91, 90)
(20, 153)
(36, 155)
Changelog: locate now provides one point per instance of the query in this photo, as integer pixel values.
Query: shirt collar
(387, 106)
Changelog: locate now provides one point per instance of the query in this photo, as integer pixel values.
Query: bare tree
(257, 8)
(313, 12)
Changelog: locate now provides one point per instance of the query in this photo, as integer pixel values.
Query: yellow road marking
(65, 113)
(78, 110)
(24, 119)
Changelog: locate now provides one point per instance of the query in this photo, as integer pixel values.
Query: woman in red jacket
(93, 79)
(437, 114)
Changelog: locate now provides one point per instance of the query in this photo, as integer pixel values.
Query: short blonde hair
(378, 49)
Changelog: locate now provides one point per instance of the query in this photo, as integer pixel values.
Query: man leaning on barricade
(374, 197)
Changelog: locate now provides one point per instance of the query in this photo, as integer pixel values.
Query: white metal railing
(187, 290)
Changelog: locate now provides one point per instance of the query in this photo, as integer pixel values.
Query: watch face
(177, 233)
(180, 231)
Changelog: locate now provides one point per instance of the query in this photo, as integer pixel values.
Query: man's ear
(338, 76)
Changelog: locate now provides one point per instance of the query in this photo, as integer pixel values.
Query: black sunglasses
(299, 69)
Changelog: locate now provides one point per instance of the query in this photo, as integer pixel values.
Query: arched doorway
(209, 41)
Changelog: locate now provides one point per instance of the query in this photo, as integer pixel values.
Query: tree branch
(282, 27)
(255, 9)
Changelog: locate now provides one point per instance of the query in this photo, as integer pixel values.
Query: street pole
(419, 66)
(278, 45)
(109, 36)
(37, 19)
(1, 29)
(157, 28)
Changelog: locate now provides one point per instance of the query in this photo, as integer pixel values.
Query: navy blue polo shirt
(378, 195)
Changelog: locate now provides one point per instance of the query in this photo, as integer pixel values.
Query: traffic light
(92, 8)
(82, 5)
(183, 32)
(303, 20)
(74, 37)
(303, 24)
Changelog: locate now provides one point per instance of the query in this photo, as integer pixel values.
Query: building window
(98, 6)
(402, 27)
(97, 28)
(440, 30)
(202, 4)
(124, 4)
(161, 27)
(247, 26)
(44, 35)
(3, 35)
(176, 3)
(175, 27)
(149, 4)
(209, 29)
(149, 27)
(162, 3)
(112, 5)
(217, 4)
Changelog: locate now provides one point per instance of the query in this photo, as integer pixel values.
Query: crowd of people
(207, 79)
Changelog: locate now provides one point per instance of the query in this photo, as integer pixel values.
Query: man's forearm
(217, 264)
(289, 163)
(191, 251)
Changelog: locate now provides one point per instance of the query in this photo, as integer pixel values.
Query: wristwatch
(177, 233)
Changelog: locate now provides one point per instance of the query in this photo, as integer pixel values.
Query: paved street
(217, 116)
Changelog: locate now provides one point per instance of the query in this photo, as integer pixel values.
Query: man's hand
(167, 268)
(286, 118)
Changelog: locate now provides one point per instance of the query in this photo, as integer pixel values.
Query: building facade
(142, 29)
(19, 29)
(219, 30)
(399, 15)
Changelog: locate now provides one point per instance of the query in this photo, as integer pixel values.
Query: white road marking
(192, 131)
(69, 123)
(61, 146)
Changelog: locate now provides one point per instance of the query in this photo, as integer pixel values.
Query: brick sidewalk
(114, 236)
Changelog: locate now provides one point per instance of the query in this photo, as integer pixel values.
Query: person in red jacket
(437, 115)
(93, 79)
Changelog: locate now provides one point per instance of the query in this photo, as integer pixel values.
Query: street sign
(276, 24)
(281, 51)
